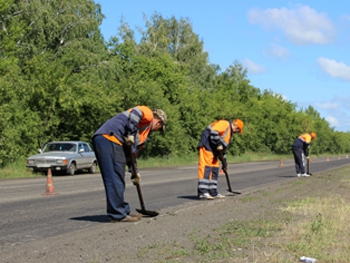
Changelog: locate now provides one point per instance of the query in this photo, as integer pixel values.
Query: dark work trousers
(111, 161)
(298, 159)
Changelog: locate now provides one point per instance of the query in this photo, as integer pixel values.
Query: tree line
(60, 80)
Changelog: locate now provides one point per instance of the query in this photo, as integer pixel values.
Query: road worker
(215, 138)
(112, 142)
(300, 149)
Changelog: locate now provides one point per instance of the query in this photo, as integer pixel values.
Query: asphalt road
(27, 215)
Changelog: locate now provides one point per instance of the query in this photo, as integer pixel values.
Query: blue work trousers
(111, 160)
(298, 160)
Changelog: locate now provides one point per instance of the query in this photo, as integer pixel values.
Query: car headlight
(61, 161)
(30, 161)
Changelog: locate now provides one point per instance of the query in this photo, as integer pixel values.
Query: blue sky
(300, 49)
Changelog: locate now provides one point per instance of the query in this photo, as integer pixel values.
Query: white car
(66, 156)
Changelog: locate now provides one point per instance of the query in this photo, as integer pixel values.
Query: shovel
(227, 177)
(143, 210)
(308, 166)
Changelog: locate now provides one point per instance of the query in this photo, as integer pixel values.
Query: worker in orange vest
(215, 138)
(300, 148)
(112, 142)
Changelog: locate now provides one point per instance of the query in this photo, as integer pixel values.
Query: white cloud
(253, 67)
(346, 18)
(334, 68)
(301, 25)
(337, 112)
(277, 95)
(345, 102)
(278, 52)
(332, 121)
(327, 105)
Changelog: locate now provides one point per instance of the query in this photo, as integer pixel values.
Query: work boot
(219, 196)
(206, 196)
(125, 219)
(138, 216)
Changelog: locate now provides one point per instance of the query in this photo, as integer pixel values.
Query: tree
(45, 45)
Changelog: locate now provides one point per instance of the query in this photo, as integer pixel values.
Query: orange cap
(240, 125)
(313, 135)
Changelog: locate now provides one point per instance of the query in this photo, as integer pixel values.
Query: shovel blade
(234, 192)
(147, 212)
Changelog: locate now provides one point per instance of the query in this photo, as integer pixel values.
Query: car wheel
(71, 169)
(93, 168)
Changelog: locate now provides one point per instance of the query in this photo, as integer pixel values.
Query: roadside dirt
(150, 239)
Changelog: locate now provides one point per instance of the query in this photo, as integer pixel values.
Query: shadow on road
(93, 218)
(191, 197)
(194, 197)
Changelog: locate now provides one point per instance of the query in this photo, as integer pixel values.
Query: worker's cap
(240, 125)
(158, 113)
(313, 135)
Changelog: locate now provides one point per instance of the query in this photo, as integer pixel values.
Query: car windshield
(60, 147)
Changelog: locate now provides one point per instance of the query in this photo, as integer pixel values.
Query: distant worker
(300, 148)
(111, 145)
(215, 138)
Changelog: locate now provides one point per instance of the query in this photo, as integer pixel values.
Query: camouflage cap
(161, 115)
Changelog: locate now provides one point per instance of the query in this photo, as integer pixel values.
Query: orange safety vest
(143, 128)
(305, 138)
(224, 130)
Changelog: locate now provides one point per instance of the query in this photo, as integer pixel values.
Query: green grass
(314, 225)
(324, 229)
(192, 159)
(18, 168)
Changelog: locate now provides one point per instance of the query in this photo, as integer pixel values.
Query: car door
(89, 154)
(85, 156)
(81, 159)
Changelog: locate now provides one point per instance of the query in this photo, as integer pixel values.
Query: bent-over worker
(300, 148)
(215, 138)
(112, 142)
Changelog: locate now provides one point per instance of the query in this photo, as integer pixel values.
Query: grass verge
(18, 169)
(309, 217)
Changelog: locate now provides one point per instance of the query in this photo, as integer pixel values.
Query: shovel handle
(225, 171)
(132, 158)
(133, 166)
(138, 187)
(143, 208)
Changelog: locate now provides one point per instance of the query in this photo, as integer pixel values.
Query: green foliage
(60, 80)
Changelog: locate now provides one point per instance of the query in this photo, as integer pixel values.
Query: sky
(300, 50)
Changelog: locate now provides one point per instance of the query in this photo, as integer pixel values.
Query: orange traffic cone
(310, 160)
(50, 189)
(327, 159)
(281, 163)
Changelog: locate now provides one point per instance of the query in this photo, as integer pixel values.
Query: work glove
(220, 148)
(129, 140)
(136, 179)
(225, 169)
